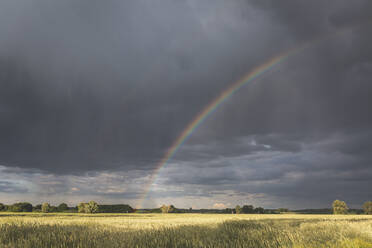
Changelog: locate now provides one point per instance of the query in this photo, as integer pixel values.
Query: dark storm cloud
(94, 86)
(87, 85)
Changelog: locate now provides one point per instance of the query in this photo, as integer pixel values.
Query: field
(184, 230)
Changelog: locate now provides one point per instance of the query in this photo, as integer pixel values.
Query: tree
(81, 207)
(62, 207)
(45, 208)
(53, 209)
(367, 207)
(116, 208)
(238, 209)
(2, 207)
(247, 209)
(259, 210)
(21, 207)
(283, 210)
(91, 207)
(167, 209)
(164, 209)
(339, 207)
(37, 208)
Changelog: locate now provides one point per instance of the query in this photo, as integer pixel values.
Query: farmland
(184, 230)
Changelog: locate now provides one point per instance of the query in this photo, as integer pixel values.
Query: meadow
(184, 230)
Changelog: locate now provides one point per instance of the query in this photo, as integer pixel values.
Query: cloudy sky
(93, 93)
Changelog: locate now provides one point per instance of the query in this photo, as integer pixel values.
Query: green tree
(167, 209)
(37, 208)
(81, 207)
(116, 208)
(367, 207)
(238, 209)
(164, 209)
(339, 207)
(53, 209)
(62, 207)
(259, 210)
(21, 207)
(91, 207)
(45, 208)
(283, 210)
(2, 207)
(248, 209)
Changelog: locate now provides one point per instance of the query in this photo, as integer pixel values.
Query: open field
(184, 230)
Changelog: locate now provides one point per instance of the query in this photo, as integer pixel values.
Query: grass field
(184, 230)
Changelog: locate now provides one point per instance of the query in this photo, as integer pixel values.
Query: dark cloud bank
(96, 91)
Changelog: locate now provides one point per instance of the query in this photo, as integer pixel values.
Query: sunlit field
(184, 230)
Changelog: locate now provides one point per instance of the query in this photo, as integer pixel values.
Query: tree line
(90, 207)
(338, 207)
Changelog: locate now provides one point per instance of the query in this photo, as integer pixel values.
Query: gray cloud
(92, 87)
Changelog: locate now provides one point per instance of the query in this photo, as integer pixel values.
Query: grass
(184, 230)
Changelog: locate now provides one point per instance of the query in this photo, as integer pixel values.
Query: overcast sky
(93, 93)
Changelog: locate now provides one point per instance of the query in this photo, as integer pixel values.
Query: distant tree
(229, 211)
(167, 209)
(116, 208)
(81, 207)
(153, 210)
(53, 209)
(259, 210)
(283, 210)
(91, 207)
(172, 209)
(37, 208)
(367, 207)
(21, 207)
(238, 209)
(62, 207)
(339, 207)
(45, 208)
(248, 209)
(164, 209)
(2, 207)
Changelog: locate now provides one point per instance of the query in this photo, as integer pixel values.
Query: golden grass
(184, 230)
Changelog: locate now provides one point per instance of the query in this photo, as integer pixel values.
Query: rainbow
(224, 96)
